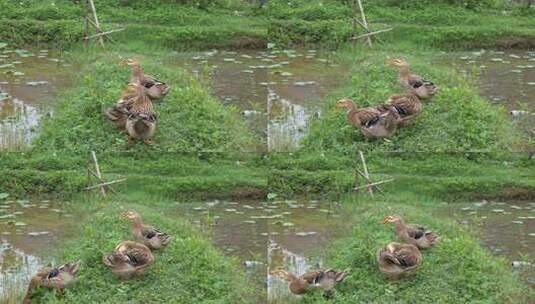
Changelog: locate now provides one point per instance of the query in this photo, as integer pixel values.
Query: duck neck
(350, 106)
(137, 223)
(404, 72)
(137, 73)
(400, 225)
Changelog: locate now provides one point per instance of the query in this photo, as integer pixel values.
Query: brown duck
(57, 278)
(141, 121)
(398, 260)
(128, 259)
(373, 122)
(407, 106)
(154, 88)
(323, 279)
(414, 234)
(413, 82)
(145, 234)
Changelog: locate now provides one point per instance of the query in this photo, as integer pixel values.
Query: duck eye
(418, 84)
(148, 85)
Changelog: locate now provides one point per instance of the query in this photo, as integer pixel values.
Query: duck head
(391, 219)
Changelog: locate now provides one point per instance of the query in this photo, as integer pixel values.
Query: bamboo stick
(94, 10)
(105, 184)
(372, 33)
(375, 184)
(103, 33)
(363, 21)
(97, 168)
(366, 173)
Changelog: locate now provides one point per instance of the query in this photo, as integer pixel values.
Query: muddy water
(28, 232)
(504, 78)
(28, 82)
(277, 91)
(506, 228)
(267, 235)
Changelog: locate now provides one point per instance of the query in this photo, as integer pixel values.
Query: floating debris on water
(252, 263)
(36, 83)
(517, 264)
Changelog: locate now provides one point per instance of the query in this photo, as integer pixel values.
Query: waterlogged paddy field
(29, 81)
(277, 91)
(266, 235)
(507, 229)
(29, 231)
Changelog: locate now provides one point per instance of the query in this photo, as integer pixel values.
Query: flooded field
(277, 91)
(505, 78)
(267, 235)
(506, 228)
(28, 82)
(29, 231)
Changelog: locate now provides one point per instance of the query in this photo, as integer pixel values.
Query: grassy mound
(199, 143)
(456, 120)
(457, 269)
(188, 270)
(189, 119)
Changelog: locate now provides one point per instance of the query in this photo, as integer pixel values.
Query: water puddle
(28, 81)
(28, 228)
(277, 91)
(506, 229)
(267, 235)
(504, 77)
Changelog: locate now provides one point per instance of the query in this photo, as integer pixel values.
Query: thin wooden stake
(97, 168)
(366, 173)
(104, 34)
(101, 185)
(363, 21)
(372, 33)
(94, 10)
(375, 184)
(369, 181)
(89, 171)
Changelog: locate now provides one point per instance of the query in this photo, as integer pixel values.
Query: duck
(357, 117)
(397, 260)
(57, 278)
(413, 234)
(128, 259)
(154, 88)
(373, 122)
(118, 113)
(147, 235)
(141, 121)
(408, 106)
(325, 279)
(417, 84)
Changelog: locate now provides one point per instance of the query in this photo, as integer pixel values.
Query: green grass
(189, 269)
(237, 24)
(460, 148)
(455, 120)
(457, 270)
(199, 144)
